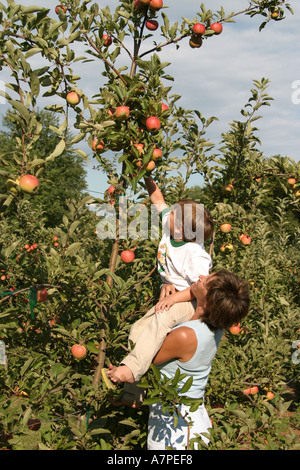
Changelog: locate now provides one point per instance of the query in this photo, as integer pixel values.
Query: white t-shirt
(180, 263)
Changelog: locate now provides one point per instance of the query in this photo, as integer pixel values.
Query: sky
(216, 79)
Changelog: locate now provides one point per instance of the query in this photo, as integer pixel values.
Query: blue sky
(217, 78)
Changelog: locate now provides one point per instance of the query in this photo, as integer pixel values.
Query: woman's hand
(166, 290)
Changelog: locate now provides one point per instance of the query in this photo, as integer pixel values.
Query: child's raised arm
(155, 194)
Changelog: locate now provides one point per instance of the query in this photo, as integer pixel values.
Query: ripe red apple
(153, 124)
(217, 28)
(34, 424)
(157, 153)
(98, 146)
(152, 25)
(245, 239)
(29, 183)
(78, 351)
(253, 390)
(107, 40)
(42, 295)
(195, 42)
(127, 256)
(144, 2)
(270, 395)
(164, 107)
(138, 5)
(73, 98)
(156, 4)
(198, 29)
(235, 329)
(60, 7)
(111, 189)
(247, 391)
(225, 228)
(122, 113)
(292, 181)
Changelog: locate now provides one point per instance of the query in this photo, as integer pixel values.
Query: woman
(222, 300)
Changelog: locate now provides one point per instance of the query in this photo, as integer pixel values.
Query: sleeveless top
(199, 366)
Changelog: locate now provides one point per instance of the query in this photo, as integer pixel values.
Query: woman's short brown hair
(227, 299)
(192, 220)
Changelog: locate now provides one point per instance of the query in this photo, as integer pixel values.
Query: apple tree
(133, 125)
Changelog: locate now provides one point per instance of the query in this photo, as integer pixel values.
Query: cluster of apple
(243, 237)
(254, 390)
(293, 184)
(199, 30)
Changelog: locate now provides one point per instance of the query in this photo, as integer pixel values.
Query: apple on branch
(127, 256)
(78, 351)
(73, 98)
(122, 113)
(217, 28)
(29, 183)
(225, 228)
(98, 146)
(153, 124)
(155, 4)
(152, 25)
(195, 42)
(198, 29)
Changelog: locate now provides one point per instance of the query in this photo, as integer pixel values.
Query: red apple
(198, 29)
(270, 395)
(156, 4)
(245, 239)
(127, 256)
(78, 351)
(228, 188)
(42, 295)
(195, 42)
(107, 40)
(153, 124)
(157, 153)
(217, 28)
(122, 113)
(164, 107)
(253, 390)
(144, 2)
(235, 329)
(98, 146)
(152, 25)
(247, 391)
(138, 5)
(225, 228)
(140, 148)
(111, 189)
(292, 181)
(60, 7)
(73, 98)
(29, 183)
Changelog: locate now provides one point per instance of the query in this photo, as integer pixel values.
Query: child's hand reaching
(165, 303)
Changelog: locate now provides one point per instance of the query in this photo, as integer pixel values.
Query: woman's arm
(180, 344)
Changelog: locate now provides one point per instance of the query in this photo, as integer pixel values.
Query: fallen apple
(29, 183)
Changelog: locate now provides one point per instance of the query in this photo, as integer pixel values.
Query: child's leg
(149, 333)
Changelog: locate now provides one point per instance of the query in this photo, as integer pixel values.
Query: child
(181, 259)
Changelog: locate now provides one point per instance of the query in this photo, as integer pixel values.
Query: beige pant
(148, 335)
